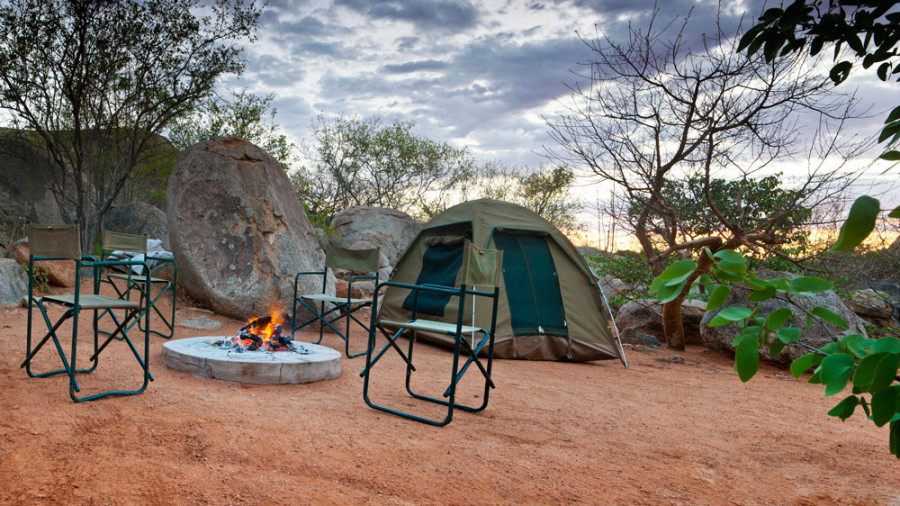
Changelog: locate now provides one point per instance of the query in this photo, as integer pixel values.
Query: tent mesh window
(440, 266)
(532, 285)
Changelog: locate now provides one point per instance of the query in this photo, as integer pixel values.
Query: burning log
(260, 334)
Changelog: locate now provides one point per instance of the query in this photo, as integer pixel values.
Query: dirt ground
(664, 431)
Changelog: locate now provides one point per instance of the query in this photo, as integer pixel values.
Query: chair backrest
(118, 241)
(359, 260)
(481, 267)
(57, 241)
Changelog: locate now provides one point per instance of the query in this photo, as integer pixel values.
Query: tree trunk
(671, 317)
(672, 326)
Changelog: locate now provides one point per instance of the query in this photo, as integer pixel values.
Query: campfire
(260, 334)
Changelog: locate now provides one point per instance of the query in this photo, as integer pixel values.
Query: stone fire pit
(200, 356)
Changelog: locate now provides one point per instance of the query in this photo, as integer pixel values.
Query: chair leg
(51, 334)
(322, 317)
(409, 368)
(121, 328)
(392, 342)
(168, 321)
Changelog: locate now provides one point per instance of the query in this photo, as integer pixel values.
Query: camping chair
(358, 260)
(63, 243)
(480, 268)
(119, 246)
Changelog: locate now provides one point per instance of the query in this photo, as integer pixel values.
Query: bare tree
(661, 109)
(91, 84)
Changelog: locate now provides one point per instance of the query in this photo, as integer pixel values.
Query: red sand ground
(660, 433)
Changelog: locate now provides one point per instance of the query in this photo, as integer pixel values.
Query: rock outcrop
(140, 219)
(13, 282)
(643, 317)
(874, 306)
(386, 229)
(23, 195)
(237, 230)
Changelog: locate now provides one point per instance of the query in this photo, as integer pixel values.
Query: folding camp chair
(359, 260)
(125, 281)
(63, 243)
(480, 268)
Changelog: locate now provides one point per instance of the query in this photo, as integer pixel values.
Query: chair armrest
(162, 259)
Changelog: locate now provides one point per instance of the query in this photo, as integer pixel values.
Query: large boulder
(639, 318)
(23, 194)
(13, 282)
(874, 306)
(237, 229)
(141, 219)
(57, 272)
(817, 335)
(386, 229)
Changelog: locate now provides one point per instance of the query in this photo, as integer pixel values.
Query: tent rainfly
(551, 306)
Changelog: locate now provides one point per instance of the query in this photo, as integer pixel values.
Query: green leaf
(830, 317)
(888, 344)
(678, 281)
(859, 224)
(780, 284)
(884, 406)
(749, 36)
(734, 277)
(855, 345)
(718, 297)
(775, 349)
(896, 212)
(746, 358)
(678, 269)
(865, 406)
(749, 332)
(802, 364)
(891, 130)
(845, 408)
(730, 256)
(816, 378)
(777, 318)
(788, 334)
(876, 372)
(839, 72)
(895, 439)
(763, 294)
(811, 284)
(758, 284)
(836, 372)
(894, 115)
(668, 293)
(730, 314)
(891, 156)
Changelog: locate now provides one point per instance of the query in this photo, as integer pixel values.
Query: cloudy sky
(480, 74)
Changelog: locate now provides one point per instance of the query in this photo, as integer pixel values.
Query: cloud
(441, 15)
(413, 66)
(477, 73)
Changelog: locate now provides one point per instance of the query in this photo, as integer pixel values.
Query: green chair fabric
(125, 282)
(480, 269)
(328, 309)
(63, 243)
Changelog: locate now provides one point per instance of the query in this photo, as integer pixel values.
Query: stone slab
(201, 356)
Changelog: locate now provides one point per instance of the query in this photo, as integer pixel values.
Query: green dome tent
(550, 307)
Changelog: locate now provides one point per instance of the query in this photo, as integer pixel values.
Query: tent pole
(615, 327)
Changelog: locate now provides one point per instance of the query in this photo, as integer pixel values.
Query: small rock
(200, 323)
(646, 340)
(674, 359)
